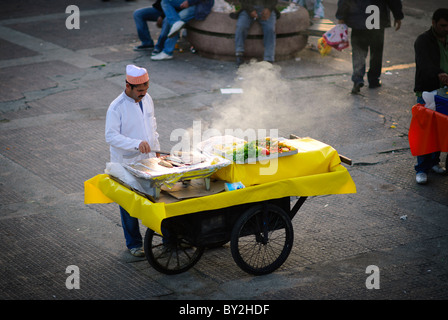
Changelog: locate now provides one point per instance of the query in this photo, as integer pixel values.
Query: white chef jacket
(127, 126)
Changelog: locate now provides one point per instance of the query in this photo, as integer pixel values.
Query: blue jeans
(426, 161)
(141, 16)
(362, 42)
(316, 8)
(164, 43)
(164, 36)
(243, 25)
(131, 230)
(172, 15)
(173, 12)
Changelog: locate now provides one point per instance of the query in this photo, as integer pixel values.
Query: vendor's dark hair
(133, 85)
(441, 13)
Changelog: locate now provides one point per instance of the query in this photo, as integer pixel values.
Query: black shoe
(357, 87)
(143, 48)
(375, 85)
(239, 60)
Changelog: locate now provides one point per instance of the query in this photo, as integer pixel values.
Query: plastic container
(441, 104)
(233, 186)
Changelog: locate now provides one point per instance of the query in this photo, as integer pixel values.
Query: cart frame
(261, 226)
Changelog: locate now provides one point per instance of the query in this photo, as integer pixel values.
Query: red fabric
(428, 131)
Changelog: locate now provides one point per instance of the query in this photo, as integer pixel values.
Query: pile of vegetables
(257, 148)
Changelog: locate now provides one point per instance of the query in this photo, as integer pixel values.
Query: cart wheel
(170, 255)
(262, 239)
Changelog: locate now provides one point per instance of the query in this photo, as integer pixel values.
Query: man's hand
(397, 24)
(159, 22)
(184, 5)
(265, 14)
(443, 77)
(253, 14)
(144, 147)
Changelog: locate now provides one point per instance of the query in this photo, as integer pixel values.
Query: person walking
(368, 20)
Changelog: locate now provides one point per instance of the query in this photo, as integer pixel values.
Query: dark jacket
(203, 8)
(249, 5)
(427, 62)
(353, 12)
(158, 5)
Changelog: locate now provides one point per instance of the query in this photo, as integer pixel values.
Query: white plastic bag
(223, 6)
(118, 171)
(337, 37)
(429, 99)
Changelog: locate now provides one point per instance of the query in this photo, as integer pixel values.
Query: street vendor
(431, 58)
(131, 134)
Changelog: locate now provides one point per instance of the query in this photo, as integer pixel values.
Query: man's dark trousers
(362, 41)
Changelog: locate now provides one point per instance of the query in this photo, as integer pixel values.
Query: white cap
(136, 75)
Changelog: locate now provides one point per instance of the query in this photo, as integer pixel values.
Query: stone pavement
(56, 85)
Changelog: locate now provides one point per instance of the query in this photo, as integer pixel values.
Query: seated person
(314, 7)
(177, 13)
(265, 13)
(141, 17)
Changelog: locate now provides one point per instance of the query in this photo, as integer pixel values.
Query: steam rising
(260, 111)
(265, 98)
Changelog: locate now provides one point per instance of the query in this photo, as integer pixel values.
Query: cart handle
(344, 159)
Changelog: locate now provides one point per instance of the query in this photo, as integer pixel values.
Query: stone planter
(215, 36)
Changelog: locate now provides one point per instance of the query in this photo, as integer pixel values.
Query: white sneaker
(175, 28)
(161, 56)
(421, 178)
(438, 169)
(137, 252)
(155, 52)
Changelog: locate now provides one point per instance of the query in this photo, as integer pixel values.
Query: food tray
(159, 175)
(251, 152)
